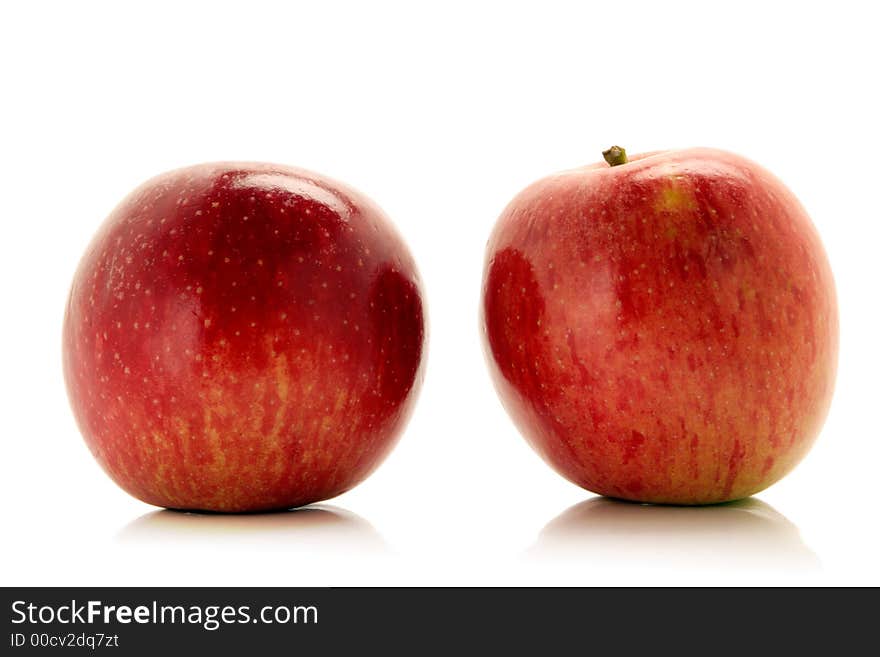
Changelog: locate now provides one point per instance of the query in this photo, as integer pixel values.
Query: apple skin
(243, 337)
(663, 330)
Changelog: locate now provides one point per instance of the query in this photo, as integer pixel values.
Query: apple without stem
(662, 329)
(243, 337)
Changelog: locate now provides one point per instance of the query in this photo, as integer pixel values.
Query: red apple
(243, 337)
(662, 329)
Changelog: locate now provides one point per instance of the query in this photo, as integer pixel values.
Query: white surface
(441, 115)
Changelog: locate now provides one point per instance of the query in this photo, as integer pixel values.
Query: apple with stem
(243, 337)
(662, 328)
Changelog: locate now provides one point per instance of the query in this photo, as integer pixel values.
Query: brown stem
(615, 156)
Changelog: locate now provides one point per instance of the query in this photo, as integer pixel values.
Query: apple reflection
(746, 534)
(321, 526)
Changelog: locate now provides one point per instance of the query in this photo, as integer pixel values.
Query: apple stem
(615, 156)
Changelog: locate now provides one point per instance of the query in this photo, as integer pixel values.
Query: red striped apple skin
(243, 337)
(664, 330)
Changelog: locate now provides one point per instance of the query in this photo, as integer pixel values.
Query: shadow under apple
(320, 527)
(746, 534)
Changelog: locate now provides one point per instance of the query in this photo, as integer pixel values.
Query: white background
(441, 114)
